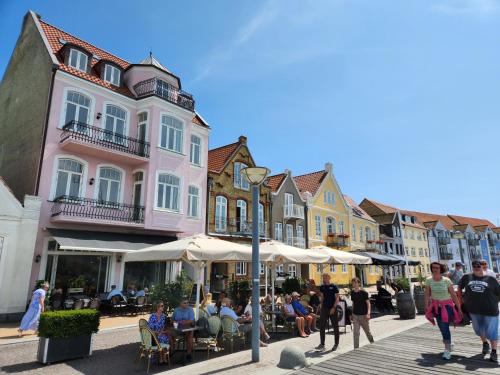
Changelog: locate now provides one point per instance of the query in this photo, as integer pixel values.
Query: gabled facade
(288, 218)
(110, 146)
(328, 220)
(230, 215)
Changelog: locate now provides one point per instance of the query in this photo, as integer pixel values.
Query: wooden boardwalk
(416, 351)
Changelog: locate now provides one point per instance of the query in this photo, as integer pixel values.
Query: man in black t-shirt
(482, 294)
(329, 294)
(361, 311)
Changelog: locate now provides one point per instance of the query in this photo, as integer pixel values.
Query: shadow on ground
(473, 363)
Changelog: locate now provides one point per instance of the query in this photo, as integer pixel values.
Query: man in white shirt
(486, 270)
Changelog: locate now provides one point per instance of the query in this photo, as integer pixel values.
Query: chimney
(329, 167)
(288, 172)
(242, 139)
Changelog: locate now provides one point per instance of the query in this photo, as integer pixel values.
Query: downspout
(45, 127)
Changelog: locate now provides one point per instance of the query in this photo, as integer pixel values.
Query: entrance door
(137, 197)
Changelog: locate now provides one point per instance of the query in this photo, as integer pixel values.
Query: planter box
(56, 349)
(406, 306)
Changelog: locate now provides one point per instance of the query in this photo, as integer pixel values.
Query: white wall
(18, 227)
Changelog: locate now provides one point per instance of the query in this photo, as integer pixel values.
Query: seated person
(240, 321)
(310, 319)
(208, 306)
(291, 316)
(248, 315)
(240, 305)
(218, 305)
(314, 302)
(131, 290)
(383, 298)
(184, 317)
(115, 292)
(141, 292)
(156, 323)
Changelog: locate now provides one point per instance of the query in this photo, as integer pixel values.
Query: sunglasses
(476, 266)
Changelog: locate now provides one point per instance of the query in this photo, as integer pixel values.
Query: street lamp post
(256, 176)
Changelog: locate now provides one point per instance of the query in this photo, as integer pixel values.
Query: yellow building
(328, 221)
(365, 237)
(415, 244)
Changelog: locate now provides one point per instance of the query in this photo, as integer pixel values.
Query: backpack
(203, 330)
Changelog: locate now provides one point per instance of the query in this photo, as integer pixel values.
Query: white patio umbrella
(342, 257)
(196, 250)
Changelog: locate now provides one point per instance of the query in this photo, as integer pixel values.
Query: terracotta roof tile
(424, 217)
(358, 211)
(218, 157)
(383, 207)
(199, 121)
(310, 182)
(471, 220)
(274, 182)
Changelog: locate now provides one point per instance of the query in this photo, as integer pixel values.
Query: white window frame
(353, 232)
(317, 221)
(278, 232)
(144, 122)
(191, 197)
(341, 227)
(261, 219)
(98, 181)
(79, 56)
(62, 116)
(240, 181)
(242, 204)
(220, 221)
(126, 120)
(344, 268)
(289, 239)
(279, 269)
(319, 268)
(288, 204)
(240, 268)
(262, 268)
(292, 270)
(108, 68)
(142, 183)
(192, 147)
(300, 231)
(179, 197)
(331, 222)
(333, 269)
(165, 126)
(55, 168)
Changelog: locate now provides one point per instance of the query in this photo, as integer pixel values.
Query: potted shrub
(418, 294)
(66, 334)
(404, 299)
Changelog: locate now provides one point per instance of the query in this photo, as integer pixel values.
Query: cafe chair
(118, 305)
(95, 303)
(78, 304)
(230, 331)
(139, 304)
(214, 326)
(150, 346)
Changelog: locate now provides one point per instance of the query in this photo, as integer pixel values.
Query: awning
(410, 262)
(381, 259)
(104, 241)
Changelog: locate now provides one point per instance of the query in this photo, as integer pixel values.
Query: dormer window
(112, 75)
(78, 60)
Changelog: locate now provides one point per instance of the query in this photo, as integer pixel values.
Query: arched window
(168, 192)
(69, 178)
(114, 124)
(241, 214)
(142, 130)
(195, 150)
(171, 133)
(330, 225)
(220, 214)
(109, 185)
(77, 108)
(193, 201)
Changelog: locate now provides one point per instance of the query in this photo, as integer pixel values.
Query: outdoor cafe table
(272, 315)
(181, 332)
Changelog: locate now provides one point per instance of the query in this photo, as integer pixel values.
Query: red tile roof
(218, 157)
(198, 120)
(274, 182)
(310, 182)
(424, 217)
(471, 221)
(54, 35)
(356, 209)
(383, 207)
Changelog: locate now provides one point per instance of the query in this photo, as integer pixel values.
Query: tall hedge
(68, 323)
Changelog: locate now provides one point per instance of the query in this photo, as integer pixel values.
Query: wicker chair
(95, 303)
(150, 345)
(230, 331)
(214, 326)
(117, 304)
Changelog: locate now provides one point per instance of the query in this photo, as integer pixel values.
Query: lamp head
(255, 175)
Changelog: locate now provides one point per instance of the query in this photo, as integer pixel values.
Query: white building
(18, 229)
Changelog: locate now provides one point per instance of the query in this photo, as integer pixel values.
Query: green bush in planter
(68, 323)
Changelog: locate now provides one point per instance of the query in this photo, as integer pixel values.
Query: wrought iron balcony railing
(157, 87)
(91, 134)
(97, 209)
(445, 254)
(337, 240)
(293, 211)
(239, 227)
(476, 255)
(491, 241)
(443, 241)
(473, 242)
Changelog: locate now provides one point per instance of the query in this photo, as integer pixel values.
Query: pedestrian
(329, 294)
(481, 297)
(456, 274)
(486, 270)
(361, 311)
(37, 306)
(441, 302)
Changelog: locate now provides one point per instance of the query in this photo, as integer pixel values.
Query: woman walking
(361, 311)
(37, 306)
(442, 304)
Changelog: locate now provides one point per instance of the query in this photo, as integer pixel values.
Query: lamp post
(256, 176)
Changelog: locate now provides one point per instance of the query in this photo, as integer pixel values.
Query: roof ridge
(84, 41)
(230, 144)
(308, 174)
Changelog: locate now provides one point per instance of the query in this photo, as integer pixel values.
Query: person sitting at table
(218, 305)
(115, 292)
(208, 306)
(240, 304)
(131, 290)
(141, 292)
(156, 323)
(310, 319)
(243, 323)
(383, 299)
(184, 317)
(248, 315)
(291, 316)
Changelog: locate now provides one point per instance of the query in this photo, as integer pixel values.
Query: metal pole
(255, 275)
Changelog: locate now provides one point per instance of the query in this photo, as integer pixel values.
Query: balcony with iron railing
(83, 138)
(66, 208)
(473, 242)
(445, 254)
(443, 240)
(161, 89)
(296, 241)
(491, 241)
(476, 254)
(239, 227)
(293, 211)
(373, 245)
(337, 240)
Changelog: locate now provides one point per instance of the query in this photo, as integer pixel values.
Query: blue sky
(401, 96)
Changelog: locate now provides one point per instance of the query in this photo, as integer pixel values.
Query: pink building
(118, 155)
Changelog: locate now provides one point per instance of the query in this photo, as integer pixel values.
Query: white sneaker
(446, 355)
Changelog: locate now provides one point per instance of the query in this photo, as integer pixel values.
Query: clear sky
(401, 96)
